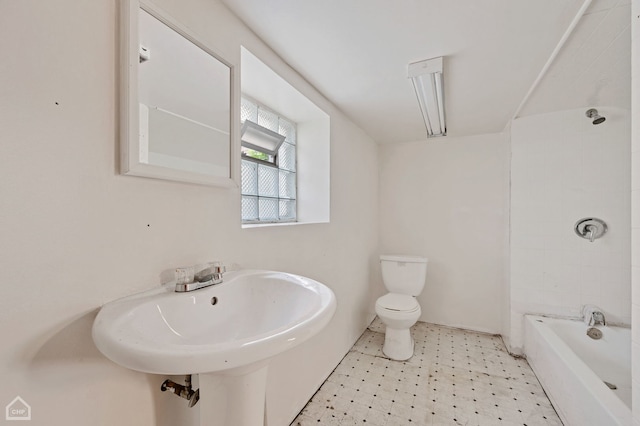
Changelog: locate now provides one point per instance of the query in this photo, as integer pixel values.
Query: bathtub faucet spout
(592, 315)
(598, 318)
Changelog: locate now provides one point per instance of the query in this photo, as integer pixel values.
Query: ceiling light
(427, 81)
(260, 138)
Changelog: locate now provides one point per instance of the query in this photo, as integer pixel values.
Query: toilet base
(398, 344)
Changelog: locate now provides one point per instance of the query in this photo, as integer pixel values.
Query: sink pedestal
(234, 397)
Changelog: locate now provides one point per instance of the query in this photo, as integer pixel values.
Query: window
(268, 177)
(261, 86)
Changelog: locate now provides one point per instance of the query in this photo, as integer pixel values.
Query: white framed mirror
(175, 101)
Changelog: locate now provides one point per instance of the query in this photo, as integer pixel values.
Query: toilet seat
(398, 303)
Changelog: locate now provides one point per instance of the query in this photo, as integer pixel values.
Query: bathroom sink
(250, 317)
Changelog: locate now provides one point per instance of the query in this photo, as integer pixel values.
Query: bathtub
(572, 369)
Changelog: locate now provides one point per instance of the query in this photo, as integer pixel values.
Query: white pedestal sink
(226, 333)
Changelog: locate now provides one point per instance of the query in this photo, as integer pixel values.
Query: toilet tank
(404, 274)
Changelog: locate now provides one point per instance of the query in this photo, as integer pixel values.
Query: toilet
(404, 277)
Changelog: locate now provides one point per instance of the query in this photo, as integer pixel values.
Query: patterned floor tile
(455, 377)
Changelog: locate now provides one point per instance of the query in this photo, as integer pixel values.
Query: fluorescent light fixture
(260, 138)
(427, 81)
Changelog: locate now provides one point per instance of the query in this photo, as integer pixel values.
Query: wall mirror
(175, 100)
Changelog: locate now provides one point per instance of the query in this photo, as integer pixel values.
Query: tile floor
(455, 377)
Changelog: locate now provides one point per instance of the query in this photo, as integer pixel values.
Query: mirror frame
(130, 163)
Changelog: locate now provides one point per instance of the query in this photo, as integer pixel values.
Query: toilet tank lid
(403, 258)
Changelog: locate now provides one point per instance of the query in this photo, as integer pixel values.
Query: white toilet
(404, 277)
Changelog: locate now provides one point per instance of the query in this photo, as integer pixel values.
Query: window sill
(265, 225)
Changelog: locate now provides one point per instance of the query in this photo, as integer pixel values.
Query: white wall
(76, 234)
(635, 206)
(446, 199)
(563, 168)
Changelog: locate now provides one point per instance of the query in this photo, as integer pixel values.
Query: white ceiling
(594, 66)
(356, 53)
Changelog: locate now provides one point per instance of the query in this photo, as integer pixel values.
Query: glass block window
(268, 182)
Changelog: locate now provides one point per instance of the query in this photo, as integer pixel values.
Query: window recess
(268, 170)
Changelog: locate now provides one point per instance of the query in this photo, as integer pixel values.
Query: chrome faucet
(597, 318)
(592, 315)
(206, 277)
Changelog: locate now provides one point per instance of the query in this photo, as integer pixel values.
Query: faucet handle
(184, 275)
(212, 271)
(590, 228)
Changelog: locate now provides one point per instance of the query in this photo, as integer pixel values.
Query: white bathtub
(572, 369)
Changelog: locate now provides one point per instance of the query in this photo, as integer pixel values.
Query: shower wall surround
(563, 168)
(76, 234)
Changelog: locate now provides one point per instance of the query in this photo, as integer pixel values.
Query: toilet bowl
(398, 312)
(399, 309)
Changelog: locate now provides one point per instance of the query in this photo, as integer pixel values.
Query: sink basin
(252, 316)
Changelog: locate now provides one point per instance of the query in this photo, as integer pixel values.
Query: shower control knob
(590, 228)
